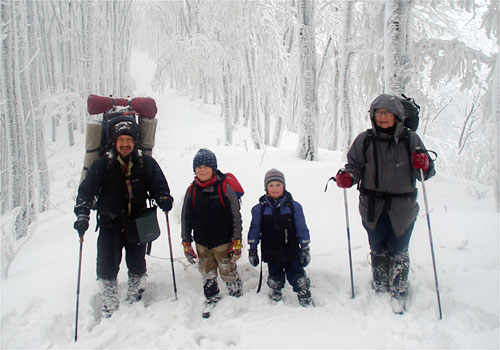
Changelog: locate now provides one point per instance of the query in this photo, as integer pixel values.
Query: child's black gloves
(305, 256)
(253, 257)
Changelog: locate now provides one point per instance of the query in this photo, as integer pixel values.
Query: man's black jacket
(106, 182)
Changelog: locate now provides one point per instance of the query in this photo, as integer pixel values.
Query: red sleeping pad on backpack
(144, 106)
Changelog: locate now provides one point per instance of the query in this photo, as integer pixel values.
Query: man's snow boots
(380, 271)
(109, 293)
(136, 286)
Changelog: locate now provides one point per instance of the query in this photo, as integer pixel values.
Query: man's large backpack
(140, 110)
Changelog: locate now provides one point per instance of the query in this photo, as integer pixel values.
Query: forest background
(301, 66)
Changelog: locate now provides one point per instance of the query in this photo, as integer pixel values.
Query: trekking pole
(260, 278)
(432, 245)
(78, 288)
(171, 255)
(346, 209)
(348, 240)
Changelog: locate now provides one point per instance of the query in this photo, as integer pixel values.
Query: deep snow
(38, 298)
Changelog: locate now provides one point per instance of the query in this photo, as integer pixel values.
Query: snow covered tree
(307, 147)
(346, 53)
(366, 48)
(45, 78)
(495, 114)
(397, 72)
(449, 74)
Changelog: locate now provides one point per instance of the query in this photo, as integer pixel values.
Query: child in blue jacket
(278, 221)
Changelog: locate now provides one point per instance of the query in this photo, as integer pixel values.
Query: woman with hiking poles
(385, 162)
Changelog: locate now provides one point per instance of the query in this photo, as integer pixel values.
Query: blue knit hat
(205, 157)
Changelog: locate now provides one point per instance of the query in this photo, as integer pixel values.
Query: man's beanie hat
(205, 157)
(125, 127)
(274, 175)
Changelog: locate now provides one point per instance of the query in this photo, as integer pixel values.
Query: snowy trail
(38, 298)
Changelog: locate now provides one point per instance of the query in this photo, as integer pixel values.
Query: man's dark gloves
(165, 203)
(81, 224)
(253, 257)
(305, 256)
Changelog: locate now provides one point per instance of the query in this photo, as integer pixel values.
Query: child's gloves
(253, 257)
(234, 251)
(305, 256)
(189, 252)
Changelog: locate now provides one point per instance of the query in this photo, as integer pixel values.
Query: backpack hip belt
(385, 196)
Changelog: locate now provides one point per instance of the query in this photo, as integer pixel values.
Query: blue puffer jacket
(281, 226)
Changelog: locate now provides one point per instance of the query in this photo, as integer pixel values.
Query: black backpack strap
(192, 192)
(262, 203)
(405, 139)
(289, 203)
(370, 139)
(222, 193)
(366, 142)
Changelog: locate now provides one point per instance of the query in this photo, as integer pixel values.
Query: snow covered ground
(38, 298)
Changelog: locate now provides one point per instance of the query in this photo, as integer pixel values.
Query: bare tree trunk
(289, 109)
(335, 107)
(236, 101)
(27, 86)
(226, 106)
(6, 107)
(254, 116)
(44, 181)
(495, 113)
(267, 121)
(17, 139)
(307, 147)
(345, 76)
(396, 62)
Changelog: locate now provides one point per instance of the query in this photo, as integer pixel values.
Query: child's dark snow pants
(294, 272)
